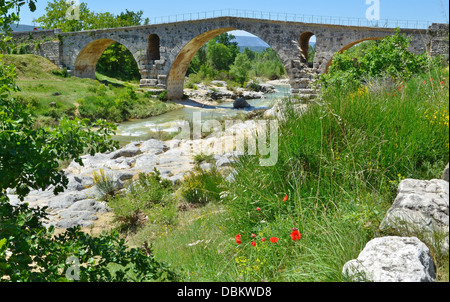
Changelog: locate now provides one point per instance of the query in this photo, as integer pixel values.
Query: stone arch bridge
(163, 52)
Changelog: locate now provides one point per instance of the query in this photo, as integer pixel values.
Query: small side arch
(153, 50)
(87, 59)
(304, 46)
(349, 46)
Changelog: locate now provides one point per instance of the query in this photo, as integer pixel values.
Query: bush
(163, 96)
(141, 200)
(201, 187)
(388, 58)
(61, 72)
(31, 252)
(104, 185)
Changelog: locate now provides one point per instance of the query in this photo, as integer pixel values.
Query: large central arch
(175, 81)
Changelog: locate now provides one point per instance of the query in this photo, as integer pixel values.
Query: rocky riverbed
(79, 205)
(218, 92)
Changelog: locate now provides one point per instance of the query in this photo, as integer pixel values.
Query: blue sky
(431, 10)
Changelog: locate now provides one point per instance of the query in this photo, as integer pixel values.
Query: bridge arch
(177, 73)
(348, 46)
(87, 59)
(153, 48)
(305, 37)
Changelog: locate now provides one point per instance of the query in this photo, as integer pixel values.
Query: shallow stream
(170, 122)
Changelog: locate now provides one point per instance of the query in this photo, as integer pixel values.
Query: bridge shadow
(196, 104)
(109, 83)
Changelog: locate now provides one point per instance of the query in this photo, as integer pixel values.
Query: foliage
(9, 12)
(104, 184)
(220, 59)
(28, 156)
(118, 62)
(239, 70)
(121, 105)
(202, 186)
(142, 200)
(55, 17)
(387, 58)
(29, 252)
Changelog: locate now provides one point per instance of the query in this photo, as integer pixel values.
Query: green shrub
(144, 198)
(387, 58)
(104, 185)
(38, 255)
(61, 72)
(163, 96)
(201, 187)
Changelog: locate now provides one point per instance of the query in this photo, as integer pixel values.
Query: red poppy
(263, 239)
(431, 79)
(253, 243)
(442, 82)
(238, 239)
(295, 235)
(424, 82)
(286, 198)
(253, 235)
(258, 209)
(274, 239)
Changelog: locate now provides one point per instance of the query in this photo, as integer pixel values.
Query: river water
(170, 122)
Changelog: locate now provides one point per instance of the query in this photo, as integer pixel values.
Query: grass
(50, 95)
(340, 164)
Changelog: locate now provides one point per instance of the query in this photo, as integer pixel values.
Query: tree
(221, 52)
(239, 70)
(55, 17)
(29, 159)
(219, 56)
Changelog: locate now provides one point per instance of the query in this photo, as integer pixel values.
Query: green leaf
(2, 243)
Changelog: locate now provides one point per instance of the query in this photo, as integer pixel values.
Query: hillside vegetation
(50, 94)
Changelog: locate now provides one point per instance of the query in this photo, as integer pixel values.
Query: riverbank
(79, 205)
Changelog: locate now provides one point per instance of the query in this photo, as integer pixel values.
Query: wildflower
(258, 209)
(295, 234)
(442, 83)
(238, 239)
(263, 239)
(286, 198)
(274, 239)
(424, 82)
(253, 243)
(431, 79)
(253, 235)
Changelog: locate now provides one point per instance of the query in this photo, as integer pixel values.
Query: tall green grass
(340, 163)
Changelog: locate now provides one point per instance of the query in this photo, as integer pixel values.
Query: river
(170, 122)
